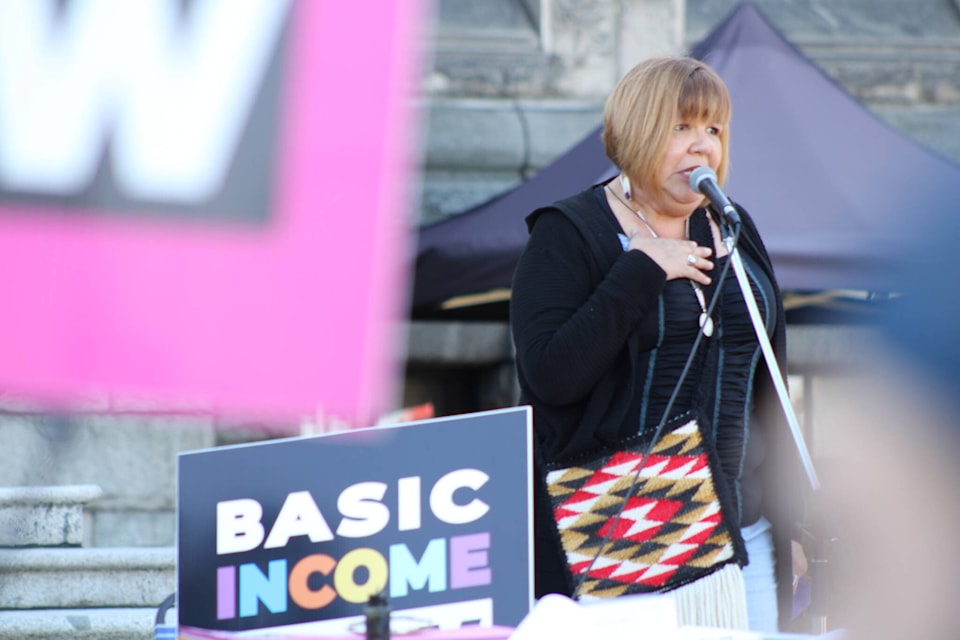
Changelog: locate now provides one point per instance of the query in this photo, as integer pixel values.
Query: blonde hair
(642, 109)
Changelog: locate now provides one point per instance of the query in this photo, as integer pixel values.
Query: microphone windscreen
(699, 175)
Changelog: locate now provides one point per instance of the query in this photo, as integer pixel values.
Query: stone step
(81, 624)
(44, 516)
(130, 453)
(52, 578)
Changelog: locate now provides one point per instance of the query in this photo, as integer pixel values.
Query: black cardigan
(577, 300)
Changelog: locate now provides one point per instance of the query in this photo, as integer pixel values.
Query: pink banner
(282, 317)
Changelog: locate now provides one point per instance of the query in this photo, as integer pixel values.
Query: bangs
(704, 97)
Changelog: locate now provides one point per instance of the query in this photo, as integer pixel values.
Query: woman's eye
(679, 127)
(714, 130)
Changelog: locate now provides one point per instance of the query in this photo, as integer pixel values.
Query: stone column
(594, 42)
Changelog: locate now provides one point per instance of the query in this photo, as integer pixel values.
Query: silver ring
(692, 259)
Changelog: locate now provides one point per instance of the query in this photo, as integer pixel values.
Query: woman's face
(692, 144)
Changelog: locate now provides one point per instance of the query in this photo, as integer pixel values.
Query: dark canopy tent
(834, 190)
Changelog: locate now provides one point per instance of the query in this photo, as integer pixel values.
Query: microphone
(704, 180)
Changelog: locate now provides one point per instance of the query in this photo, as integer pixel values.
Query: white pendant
(706, 324)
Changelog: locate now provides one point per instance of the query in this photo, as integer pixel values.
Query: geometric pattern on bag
(673, 530)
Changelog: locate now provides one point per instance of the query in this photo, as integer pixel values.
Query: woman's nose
(700, 142)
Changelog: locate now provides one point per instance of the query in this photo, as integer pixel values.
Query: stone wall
(502, 98)
(131, 457)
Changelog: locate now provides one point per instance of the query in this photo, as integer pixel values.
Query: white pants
(759, 577)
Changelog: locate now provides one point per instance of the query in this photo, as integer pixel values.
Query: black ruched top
(726, 399)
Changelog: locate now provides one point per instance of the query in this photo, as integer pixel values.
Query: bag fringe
(718, 600)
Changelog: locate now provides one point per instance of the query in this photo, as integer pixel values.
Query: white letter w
(172, 93)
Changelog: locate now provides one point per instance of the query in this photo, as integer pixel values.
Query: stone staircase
(53, 588)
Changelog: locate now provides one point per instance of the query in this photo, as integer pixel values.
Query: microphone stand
(768, 355)
(817, 564)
